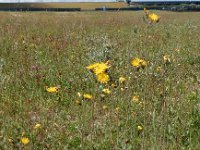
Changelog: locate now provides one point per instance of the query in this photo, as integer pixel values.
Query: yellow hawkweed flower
(137, 63)
(24, 140)
(92, 66)
(106, 91)
(122, 79)
(166, 58)
(103, 78)
(140, 128)
(98, 68)
(143, 63)
(153, 17)
(52, 89)
(87, 96)
(135, 99)
(37, 126)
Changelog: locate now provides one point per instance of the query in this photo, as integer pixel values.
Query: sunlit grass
(49, 99)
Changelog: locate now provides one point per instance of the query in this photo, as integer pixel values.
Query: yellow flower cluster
(138, 63)
(87, 96)
(152, 17)
(99, 69)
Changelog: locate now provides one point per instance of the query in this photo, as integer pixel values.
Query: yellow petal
(24, 140)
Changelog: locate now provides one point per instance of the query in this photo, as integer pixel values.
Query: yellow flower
(87, 96)
(166, 58)
(122, 79)
(143, 63)
(140, 128)
(103, 78)
(153, 17)
(106, 91)
(137, 63)
(135, 99)
(24, 140)
(52, 89)
(98, 68)
(37, 126)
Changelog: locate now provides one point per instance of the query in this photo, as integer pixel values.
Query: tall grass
(39, 50)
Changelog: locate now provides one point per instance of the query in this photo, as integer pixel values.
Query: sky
(24, 1)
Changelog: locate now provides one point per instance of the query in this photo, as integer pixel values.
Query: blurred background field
(157, 107)
(109, 6)
(83, 6)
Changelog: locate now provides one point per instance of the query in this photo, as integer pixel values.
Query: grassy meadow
(155, 107)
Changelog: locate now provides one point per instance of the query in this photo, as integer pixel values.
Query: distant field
(66, 5)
